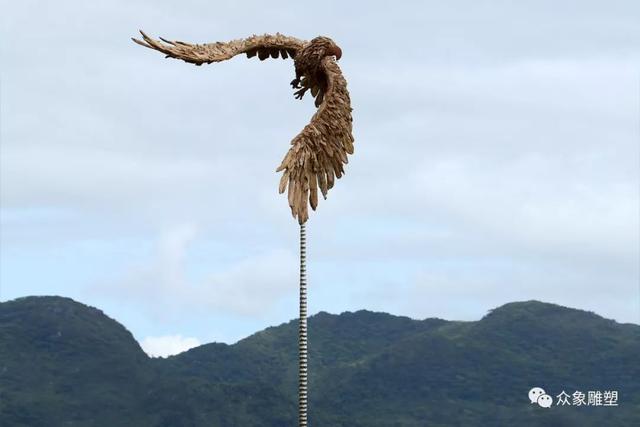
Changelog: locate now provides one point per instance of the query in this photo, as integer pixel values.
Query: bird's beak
(337, 52)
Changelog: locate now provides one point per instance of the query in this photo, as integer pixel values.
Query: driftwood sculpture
(317, 154)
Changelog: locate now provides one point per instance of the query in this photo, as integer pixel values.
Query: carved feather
(328, 134)
(265, 46)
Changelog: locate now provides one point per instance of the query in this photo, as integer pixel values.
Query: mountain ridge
(65, 363)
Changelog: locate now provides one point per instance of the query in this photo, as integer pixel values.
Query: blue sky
(496, 160)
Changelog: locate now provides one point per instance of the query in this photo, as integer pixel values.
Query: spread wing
(264, 46)
(318, 153)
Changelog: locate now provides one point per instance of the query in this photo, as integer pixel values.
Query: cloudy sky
(497, 159)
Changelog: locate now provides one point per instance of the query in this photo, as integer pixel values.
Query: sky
(496, 160)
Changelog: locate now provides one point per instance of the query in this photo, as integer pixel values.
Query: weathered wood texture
(319, 152)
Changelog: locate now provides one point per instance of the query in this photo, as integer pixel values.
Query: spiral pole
(302, 333)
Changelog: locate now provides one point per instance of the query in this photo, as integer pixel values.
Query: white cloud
(168, 345)
(250, 285)
(253, 286)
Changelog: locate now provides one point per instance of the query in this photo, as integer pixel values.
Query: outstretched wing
(318, 153)
(264, 46)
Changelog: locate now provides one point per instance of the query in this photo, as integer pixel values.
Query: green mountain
(63, 363)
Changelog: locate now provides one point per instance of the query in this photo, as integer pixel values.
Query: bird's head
(327, 47)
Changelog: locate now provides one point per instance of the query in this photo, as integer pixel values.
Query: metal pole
(302, 335)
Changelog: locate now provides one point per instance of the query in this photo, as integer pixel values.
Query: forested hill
(63, 363)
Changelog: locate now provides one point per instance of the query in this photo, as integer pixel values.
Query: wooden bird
(320, 150)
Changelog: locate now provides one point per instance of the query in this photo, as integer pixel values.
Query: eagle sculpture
(318, 153)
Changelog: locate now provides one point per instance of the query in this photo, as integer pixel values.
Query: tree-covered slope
(63, 363)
